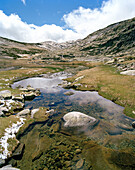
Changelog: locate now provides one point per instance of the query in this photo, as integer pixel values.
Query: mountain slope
(115, 40)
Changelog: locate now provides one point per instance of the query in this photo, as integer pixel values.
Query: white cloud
(24, 2)
(79, 23)
(86, 21)
(12, 27)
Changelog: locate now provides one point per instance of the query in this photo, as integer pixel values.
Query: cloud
(14, 28)
(86, 21)
(78, 23)
(24, 2)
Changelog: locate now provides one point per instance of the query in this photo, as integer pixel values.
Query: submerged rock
(80, 164)
(73, 119)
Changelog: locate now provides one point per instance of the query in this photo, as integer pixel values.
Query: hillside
(115, 40)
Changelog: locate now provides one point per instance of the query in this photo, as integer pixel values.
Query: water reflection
(111, 117)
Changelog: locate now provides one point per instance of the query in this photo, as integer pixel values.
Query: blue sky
(59, 20)
(41, 12)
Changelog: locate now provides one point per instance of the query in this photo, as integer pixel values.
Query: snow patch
(9, 133)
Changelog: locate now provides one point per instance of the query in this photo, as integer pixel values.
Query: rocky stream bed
(68, 129)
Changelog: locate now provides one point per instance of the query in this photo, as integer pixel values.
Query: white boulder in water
(74, 118)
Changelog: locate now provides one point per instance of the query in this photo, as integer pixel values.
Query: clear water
(112, 121)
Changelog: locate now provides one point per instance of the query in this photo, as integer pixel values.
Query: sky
(59, 20)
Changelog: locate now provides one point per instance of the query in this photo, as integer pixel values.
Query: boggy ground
(110, 84)
(40, 144)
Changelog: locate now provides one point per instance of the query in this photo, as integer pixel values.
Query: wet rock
(74, 118)
(29, 88)
(79, 78)
(29, 95)
(77, 151)
(16, 106)
(2, 111)
(23, 89)
(69, 93)
(133, 124)
(80, 164)
(37, 92)
(2, 162)
(66, 85)
(6, 94)
(110, 61)
(19, 98)
(24, 113)
(19, 152)
(76, 86)
(2, 114)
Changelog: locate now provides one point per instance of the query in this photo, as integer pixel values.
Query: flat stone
(24, 112)
(19, 98)
(128, 72)
(79, 164)
(29, 95)
(69, 93)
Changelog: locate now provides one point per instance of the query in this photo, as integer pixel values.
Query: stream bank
(73, 148)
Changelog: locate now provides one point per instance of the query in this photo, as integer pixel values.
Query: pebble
(79, 164)
(78, 151)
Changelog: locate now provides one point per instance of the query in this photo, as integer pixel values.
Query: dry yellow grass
(110, 84)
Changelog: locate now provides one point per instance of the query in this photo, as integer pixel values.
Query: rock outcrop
(128, 72)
